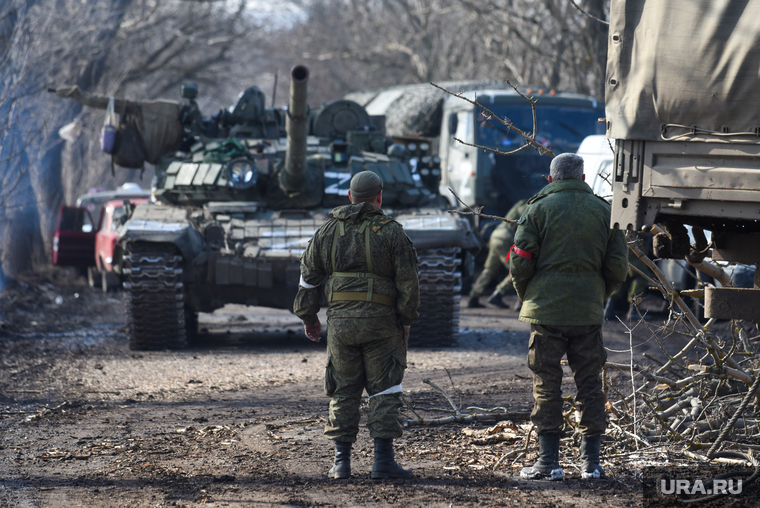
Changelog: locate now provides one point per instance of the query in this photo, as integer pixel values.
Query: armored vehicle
(684, 117)
(237, 204)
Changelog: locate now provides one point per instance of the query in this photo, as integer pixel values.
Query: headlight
(241, 174)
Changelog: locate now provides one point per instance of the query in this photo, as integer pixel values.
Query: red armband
(517, 250)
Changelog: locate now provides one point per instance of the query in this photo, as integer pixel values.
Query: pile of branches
(703, 398)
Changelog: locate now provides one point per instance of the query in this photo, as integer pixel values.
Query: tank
(237, 204)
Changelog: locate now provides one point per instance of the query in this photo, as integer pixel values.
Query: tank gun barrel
(292, 176)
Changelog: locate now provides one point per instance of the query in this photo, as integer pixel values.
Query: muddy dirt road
(237, 420)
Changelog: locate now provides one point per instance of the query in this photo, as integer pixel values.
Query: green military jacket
(393, 262)
(503, 236)
(575, 260)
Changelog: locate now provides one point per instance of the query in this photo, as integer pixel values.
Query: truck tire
(155, 299)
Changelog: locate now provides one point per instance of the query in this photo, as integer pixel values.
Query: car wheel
(109, 281)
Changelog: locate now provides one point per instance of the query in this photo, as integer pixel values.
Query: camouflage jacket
(503, 236)
(393, 260)
(573, 260)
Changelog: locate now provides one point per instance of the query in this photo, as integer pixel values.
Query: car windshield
(559, 128)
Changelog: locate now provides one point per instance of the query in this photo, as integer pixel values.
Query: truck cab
(494, 181)
(598, 154)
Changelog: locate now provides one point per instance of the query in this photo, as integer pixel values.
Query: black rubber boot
(590, 468)
(547, 466)
(496, 300)
(474, 303)
(385, 466)
(342, 465)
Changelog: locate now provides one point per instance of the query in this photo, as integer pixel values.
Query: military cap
(366, 184)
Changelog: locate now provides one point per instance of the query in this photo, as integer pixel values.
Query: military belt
(359, 274)
(357, 296)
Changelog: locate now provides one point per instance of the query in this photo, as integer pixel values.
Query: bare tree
(358, 44)
(545, 43)
(142, 50)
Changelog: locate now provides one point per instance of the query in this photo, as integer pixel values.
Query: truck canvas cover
(683, 63)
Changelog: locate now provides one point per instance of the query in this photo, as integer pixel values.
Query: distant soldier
(373, 294)
(620, 301)
(565, 263)
(501, 240)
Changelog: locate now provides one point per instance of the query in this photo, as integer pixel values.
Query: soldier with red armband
(565, 262)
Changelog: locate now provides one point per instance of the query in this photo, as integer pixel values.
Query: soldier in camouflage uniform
(565, 263)
(501, 240)
(620, 301)
(373, 295)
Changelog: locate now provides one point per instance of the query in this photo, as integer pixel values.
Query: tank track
(155, 308)
(440, 287)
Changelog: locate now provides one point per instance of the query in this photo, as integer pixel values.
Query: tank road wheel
(155, 308)
(440, 288)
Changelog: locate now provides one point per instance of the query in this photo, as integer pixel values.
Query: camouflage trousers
(494, 262)
(586, 356)
(364, 353)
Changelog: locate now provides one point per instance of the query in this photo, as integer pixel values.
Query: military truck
(682, 103)
(425, 115)
(235, 213)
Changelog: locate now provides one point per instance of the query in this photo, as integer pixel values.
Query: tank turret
(297, 127)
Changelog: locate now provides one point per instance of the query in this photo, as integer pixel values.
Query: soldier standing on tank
(373, 295)
(501, 240)
(566, 261)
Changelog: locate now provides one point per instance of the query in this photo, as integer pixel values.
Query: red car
(107, 252)
(86, 235)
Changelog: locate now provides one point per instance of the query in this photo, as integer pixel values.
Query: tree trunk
(46, 172)
(599, 33)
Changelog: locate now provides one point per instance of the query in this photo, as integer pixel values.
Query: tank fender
(431, 231)
(162, 224)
